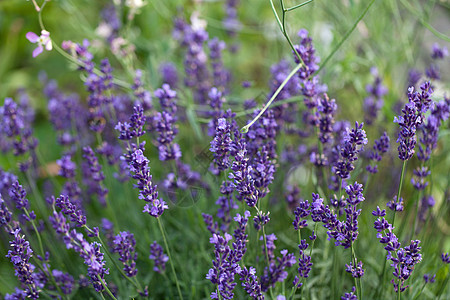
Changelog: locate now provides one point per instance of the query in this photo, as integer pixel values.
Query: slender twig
(424, 23)
(298, 5)
(170, 257)
(245, 128)
(347, 34)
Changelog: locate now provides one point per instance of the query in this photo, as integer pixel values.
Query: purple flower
(301, 212)
(350, 296)
(352, 144)
(374, 102)
(133, 129)
(276, 271)
(139, 167)
(380, 147)
(438, 52)
(157, 255)
(411, 119)
(445, 258)
(304, 263)
(167, 99)
(250, 283)
(226, 261)
(169, 74)
(356, 271)
(428, 278)
(327, 109)
(404, 263)
(242, 176)
(94, 172)
(395, 205)
(20, 255)
(18, 195)
(43, 41)
(212, 226)
(221, 145)
(69, 209)
(260, 220)
(124, 245)
(143, 96)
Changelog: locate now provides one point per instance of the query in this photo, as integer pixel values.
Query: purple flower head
(352, 144)
(221, 144)
(404, 263)
(250, 283)
(64, 280)
(43, 41)
(124, 245)
(20, 255)
(261, 219)
(242, 175)
(327, 109)
(437, 52)
(428, 278)
(5, 214)
(69, 209)
(93, 258)
(301, 212)
(380, 147)
(143, 96)
(445, 258)
(307, 52)
(395, 205)
(94, 173)
(158, 256)
(276, 271)
(18, 195)
(67, 166)
(167, 98)
(165, 126)
(133, 129)
(350, 296)
(212, 226)
(169, 74)
(304, 262)
(356, 271)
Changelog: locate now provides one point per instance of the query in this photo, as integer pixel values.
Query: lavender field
(224, 149)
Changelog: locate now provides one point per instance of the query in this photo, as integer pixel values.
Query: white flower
(43, 41)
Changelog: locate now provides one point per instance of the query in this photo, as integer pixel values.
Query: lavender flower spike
(157, 254)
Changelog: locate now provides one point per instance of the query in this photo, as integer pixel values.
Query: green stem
(298, 5)
(245, 128)
(105, 287)
(170, 257)
(424, 23)
(41, 248)
(420, 292)
(399, 189)
(347, 34)
(355, 261)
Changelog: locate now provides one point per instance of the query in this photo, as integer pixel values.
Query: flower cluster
(352, 144)
(124, 245)
(374, 102)
(94, 175)
(226, 261)
(157, 255)
(411, 119)
(380, 147)
(403, 259)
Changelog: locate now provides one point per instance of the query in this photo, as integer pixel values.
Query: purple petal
(32, 37)
(38, 50)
